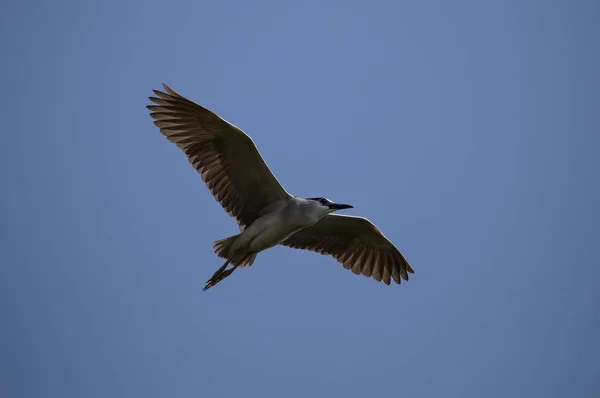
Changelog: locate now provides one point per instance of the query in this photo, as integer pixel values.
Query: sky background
(468, 131)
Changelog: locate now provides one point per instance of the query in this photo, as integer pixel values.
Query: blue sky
(468, 131)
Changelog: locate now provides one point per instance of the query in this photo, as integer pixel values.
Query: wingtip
(404, 275)
(169, 89)
(164, 95)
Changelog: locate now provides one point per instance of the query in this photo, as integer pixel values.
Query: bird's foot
(219, 275)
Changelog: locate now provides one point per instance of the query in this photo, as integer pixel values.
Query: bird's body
(267, 214)
(283, 219)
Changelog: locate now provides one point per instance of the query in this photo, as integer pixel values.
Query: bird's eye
(323, 201)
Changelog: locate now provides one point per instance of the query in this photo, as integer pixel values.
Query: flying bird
(267, 215)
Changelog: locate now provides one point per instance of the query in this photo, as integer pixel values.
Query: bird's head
(327, 206)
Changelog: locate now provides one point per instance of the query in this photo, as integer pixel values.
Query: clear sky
(468, 131)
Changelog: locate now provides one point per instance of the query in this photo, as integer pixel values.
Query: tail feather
(222, 246)
(222, 249)
(246, 261)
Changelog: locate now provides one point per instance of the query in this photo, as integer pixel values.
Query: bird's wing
(226, 158)
(357, 244)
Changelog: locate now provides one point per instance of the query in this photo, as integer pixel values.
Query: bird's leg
(219, 275)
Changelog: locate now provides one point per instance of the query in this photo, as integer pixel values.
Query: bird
(234, 171)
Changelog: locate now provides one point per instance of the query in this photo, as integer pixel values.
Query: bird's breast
(272, 229)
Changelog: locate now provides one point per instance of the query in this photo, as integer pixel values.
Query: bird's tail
(222, 249)
(235, 258)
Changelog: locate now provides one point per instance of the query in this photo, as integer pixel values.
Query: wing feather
(357, 244)
(225, 157)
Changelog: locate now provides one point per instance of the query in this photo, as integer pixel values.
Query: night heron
(267, 215)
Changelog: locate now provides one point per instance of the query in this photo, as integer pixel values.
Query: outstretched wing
(226, 158)
(356, 243)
